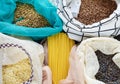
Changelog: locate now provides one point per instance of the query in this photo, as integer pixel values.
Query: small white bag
(86, 55)
(76, 30)
(13, 55)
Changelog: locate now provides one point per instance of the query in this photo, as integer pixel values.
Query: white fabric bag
(78, 31)
(73, 5)
(12, 51)
(87, 58)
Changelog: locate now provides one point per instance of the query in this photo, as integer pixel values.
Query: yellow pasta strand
(59, 47)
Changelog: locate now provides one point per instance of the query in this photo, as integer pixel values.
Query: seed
(31, 17)
(16, 73)
(108, 71)
(92, 11)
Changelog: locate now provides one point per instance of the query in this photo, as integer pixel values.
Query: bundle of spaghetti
(59, 47)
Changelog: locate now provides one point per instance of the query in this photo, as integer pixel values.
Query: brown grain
(92, 11)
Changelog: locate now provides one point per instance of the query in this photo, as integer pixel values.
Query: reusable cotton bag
(78, 31)
(45, 8)
(21, 61)
(88, 60)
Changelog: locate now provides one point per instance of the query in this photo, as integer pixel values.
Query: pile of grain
(92, 11)
(16, 73)
(108, 71)
(25, 15)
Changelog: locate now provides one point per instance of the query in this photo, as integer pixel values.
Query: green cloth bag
(43, 7)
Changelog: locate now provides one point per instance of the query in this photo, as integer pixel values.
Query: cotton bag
(79, 31)
(89, 61)
(44, 8)
(21, 61)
